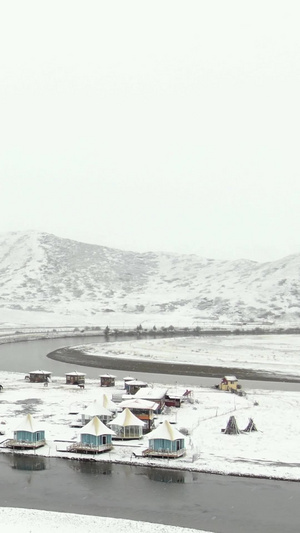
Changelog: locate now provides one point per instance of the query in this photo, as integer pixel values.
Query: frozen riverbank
(260, 357)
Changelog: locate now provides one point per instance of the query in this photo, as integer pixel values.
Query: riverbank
(260, 357)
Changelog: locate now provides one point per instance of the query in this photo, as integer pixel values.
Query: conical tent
(28, 431)
(96, 408)
(126, 418)
(232, 427)
(126, 425)
(96, 427)
(108, 403)
(28, 424)
(165, 431)
(250, 427)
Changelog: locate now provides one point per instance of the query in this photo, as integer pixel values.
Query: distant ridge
(42, 273)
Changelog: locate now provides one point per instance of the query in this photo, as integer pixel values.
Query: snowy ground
(272, 451)
(11, 520)
(278, 354)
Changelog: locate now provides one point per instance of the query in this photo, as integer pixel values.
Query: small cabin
(127, 426)
(142, 409)
(165, 441)
(126, 379)
(95, 437)
(153, 394)
(229, 383)
(39, 376)
(134, 386)
(107, 380)
(75, 378)
(28, 435)
(173, 400)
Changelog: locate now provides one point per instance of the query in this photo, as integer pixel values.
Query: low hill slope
(44, 273)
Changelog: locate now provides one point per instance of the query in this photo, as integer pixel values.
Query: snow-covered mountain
(42, 274)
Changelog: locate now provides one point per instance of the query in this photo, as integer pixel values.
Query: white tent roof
(165, 431)
(96, 409)
(230, 378)
(126, 418)
(96, 427)
(138, 403)
(108, 403)
(107, 376)
(28, 424)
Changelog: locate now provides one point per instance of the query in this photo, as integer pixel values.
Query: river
(221, 504)
(214, 503)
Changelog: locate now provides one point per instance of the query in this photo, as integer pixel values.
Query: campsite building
(39, 376)
(95, 437)
(142, 409)
(127, 426)
(75, 378)
(28, 435)
(134, 386)
(107, 380)
(165, 441)
(96, 408)
(229, 383)
(126, 379)
(153, 394)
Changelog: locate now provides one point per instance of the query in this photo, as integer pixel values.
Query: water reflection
(90, 467)
(166, 476)
(22, 462)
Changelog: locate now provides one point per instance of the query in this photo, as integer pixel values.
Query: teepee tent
(232, 427)
(250, 427)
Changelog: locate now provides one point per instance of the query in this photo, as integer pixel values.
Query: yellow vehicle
(230, 384)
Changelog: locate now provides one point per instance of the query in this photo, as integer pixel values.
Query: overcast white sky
(162, 125)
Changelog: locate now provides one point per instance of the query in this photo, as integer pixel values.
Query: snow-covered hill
(42, 275)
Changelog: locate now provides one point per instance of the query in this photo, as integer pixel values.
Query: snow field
(32, 520)
(272, 451)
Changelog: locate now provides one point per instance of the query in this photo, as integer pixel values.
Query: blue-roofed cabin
(27, 435)
(95, 437)
(165, 441)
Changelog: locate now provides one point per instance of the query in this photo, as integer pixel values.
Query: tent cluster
(233, 429)
(96, 437)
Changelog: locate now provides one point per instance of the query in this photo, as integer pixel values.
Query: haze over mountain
(46, 279)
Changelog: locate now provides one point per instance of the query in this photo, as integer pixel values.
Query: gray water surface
(214, 503)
